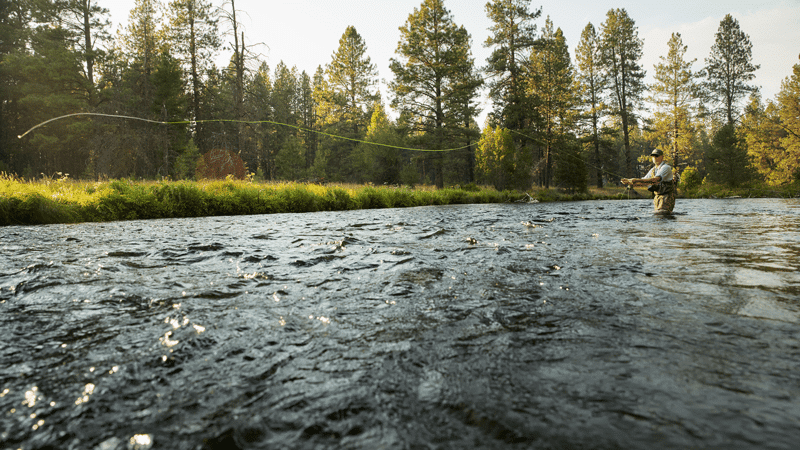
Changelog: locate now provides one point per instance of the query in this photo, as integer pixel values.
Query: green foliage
(61, 201)
(550, 84)
(435, 85)
(571, 171)
(186, 163)
(729, 68)
(788, 101)
(182, 199)
(591, 85)
(727, 161)
(336, 199)
(690, 179)
(299, 199)
(496, 160)
(290, 161)
(35, 209)
(513, 36)
(160, 68)
(380, 163)
(621, 52)
(371, 198)
(675, 95)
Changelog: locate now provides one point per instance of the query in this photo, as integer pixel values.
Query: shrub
(690, 179)
(299, 199)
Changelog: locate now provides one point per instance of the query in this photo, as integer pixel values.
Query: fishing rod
(248, 122)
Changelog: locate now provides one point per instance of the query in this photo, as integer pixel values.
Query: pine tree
(512, 40)
(346, 99)
(550, 83)
(788, 100)
(194, 40)
(285, 107)
(592, 83)
(433, 57)
(761, 132)
(89, 23)
(170, 104)
(675, 96)
(48, 83)
(729, 68)
(352, 78)
(135, 149)
(622, 50)
(461, 97)
(727, 160)
(381, 164)
(140, 46)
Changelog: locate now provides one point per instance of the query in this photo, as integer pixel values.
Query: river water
(552, 325)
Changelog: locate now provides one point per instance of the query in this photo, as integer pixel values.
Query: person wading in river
(661, 184)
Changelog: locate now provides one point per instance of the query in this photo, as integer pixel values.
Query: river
(552, 325)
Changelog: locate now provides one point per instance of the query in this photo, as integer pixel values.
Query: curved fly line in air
(249, 122)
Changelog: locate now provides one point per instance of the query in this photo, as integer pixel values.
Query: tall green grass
(66, 201)
(47, 201)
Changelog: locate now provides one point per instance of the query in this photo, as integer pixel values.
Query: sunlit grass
(62, 200)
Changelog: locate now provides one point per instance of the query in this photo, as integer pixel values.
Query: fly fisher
(661, 183)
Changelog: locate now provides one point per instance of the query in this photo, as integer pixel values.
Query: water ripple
(578, 325)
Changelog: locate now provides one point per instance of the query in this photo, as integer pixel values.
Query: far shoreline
(48, 201)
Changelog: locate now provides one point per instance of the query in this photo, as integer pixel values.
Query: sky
(305, 33)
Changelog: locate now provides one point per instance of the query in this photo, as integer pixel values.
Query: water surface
(558, 325)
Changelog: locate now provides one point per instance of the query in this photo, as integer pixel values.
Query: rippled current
(557, 325)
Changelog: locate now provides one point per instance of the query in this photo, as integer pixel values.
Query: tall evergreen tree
(760, 130)
(285, 107)
(170, 104)
(772, 133)
(89, 23)
(258, 107)
(346, 99)
(591, 85)
(512, 40)
(352, 78)
(237, 68)
(788, 100)
(140, 45)
(48, 83)
(729, 68)
(15, 31)
(550, 82)
(433, 56)
(380, 163)
(622, 50)
(727, 159)
(675, 96)
(307, 118)
(194, 40)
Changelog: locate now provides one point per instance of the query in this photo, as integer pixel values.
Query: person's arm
(640, 181)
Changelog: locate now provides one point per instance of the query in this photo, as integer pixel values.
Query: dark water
(561, 325)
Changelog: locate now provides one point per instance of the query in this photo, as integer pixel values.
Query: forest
(558, 118)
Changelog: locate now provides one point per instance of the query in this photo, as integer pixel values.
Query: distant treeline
(558, 118)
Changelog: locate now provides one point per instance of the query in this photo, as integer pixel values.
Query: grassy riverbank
(68, 201)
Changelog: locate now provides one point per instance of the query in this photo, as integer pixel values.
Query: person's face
(656, 159)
